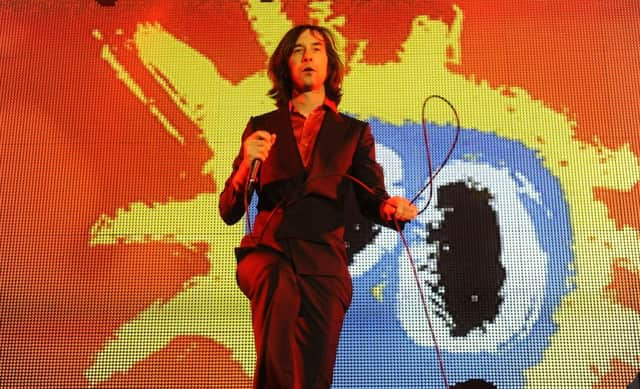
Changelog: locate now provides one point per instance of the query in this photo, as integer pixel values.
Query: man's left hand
(399, 208)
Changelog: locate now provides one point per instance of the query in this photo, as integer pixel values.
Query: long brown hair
(279, 66)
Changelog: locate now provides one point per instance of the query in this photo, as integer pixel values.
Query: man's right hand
(257, 146)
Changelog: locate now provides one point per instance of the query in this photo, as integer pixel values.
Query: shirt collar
(327, 103)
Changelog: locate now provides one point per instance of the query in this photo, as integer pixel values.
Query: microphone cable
(425, 133)
(432, 175)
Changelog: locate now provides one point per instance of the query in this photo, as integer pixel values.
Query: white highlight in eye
(522, 257)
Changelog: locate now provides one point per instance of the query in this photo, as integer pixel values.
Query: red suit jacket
(301, 213)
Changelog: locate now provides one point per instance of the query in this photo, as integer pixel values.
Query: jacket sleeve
(231, 204)
(366, 169)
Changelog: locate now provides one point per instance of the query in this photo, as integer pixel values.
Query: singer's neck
(305, 102)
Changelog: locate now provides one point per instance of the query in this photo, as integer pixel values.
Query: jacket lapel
(284, 159)
(331, 138)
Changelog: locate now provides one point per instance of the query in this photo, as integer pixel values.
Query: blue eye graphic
(492, 252)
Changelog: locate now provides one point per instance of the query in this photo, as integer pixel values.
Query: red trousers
(296, 321)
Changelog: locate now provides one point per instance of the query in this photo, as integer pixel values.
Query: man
(293, 265)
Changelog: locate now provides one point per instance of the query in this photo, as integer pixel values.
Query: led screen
(119, 123)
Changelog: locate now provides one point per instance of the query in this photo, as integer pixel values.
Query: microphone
(253, 175)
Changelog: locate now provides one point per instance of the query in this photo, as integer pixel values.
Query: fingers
(398, 208)
(261, 135)
(258, 145)
(406, 212)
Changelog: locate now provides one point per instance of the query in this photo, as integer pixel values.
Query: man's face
(308, 62)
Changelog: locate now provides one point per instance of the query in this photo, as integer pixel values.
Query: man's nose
(306, 56)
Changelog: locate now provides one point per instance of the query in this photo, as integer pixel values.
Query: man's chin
(306, 87)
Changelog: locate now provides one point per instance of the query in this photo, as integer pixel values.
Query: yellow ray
(137, 91)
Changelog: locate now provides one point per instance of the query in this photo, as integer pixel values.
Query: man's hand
(258, 145)
(398, 208)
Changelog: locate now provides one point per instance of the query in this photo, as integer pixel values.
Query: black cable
(425, 134)
(432, 176)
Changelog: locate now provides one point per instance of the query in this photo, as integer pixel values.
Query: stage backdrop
(118, 125)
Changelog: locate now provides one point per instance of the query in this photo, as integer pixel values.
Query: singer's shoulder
(277, 115)
(267, 115)
(352, 120)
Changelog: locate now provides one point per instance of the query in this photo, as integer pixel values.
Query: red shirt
(305, 129)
